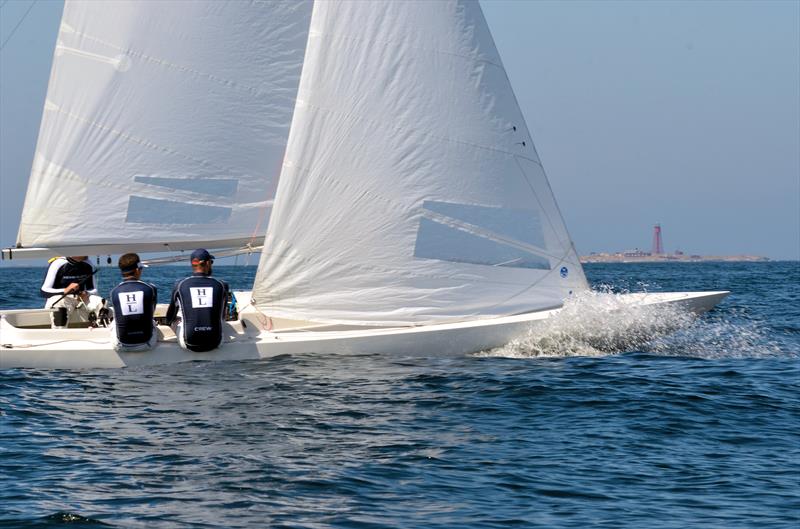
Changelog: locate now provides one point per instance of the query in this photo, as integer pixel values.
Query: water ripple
(695, 429)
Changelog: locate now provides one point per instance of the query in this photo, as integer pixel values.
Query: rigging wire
(21, 20)
(224, 252)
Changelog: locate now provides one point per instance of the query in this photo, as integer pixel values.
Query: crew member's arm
(48, 285)
(172, 310)
(154, 291)
(226, 308)
(88, 285)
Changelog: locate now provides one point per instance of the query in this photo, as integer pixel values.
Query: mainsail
(165, 124)
(411, 191)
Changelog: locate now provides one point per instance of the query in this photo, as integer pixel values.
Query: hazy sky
(680, 113)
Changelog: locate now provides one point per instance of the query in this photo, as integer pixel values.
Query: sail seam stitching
(174, 66)
(428, 134)
(146, 143)
(394, 43)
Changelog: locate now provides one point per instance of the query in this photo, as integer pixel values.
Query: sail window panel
(222, 187)
(519, 224)
(445, 243)
(156, 211)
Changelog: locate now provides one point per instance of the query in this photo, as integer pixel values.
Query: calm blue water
(699, 429)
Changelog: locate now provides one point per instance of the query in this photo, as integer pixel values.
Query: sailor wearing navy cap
(134, 304)
(197, 306)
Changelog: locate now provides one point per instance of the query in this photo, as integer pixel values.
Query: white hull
(26, 344)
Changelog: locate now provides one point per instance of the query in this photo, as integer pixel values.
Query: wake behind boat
(411, 213)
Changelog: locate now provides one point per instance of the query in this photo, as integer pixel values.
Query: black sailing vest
(71, 272)
(134, 304)
(202, 300)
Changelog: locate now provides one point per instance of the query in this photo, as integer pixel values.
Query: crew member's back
(197, 306)
(134, 304)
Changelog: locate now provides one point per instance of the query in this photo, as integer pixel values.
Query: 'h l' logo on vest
(131, 302)
(201, 297)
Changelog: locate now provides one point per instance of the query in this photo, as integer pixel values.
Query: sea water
(571, 427)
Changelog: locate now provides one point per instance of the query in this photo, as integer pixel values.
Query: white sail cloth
(411, 191)
(165, 123)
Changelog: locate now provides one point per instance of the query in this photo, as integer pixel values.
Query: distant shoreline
(670, 258)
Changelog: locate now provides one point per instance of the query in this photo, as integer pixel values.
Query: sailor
(134, 304)
(197, 306)
(69, 283)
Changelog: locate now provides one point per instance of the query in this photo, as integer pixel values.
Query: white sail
(411, 191)
(165, 124)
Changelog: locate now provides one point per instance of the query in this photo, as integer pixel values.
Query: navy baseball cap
(202, 255)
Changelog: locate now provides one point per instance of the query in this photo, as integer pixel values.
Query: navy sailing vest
(134, 304)
(68, 272)
(202, 300)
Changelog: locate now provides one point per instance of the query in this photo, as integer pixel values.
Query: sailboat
(373, 151)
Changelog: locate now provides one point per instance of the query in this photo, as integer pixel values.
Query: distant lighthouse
(658, 246)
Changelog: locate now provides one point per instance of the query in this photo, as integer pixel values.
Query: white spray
(596, 323)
